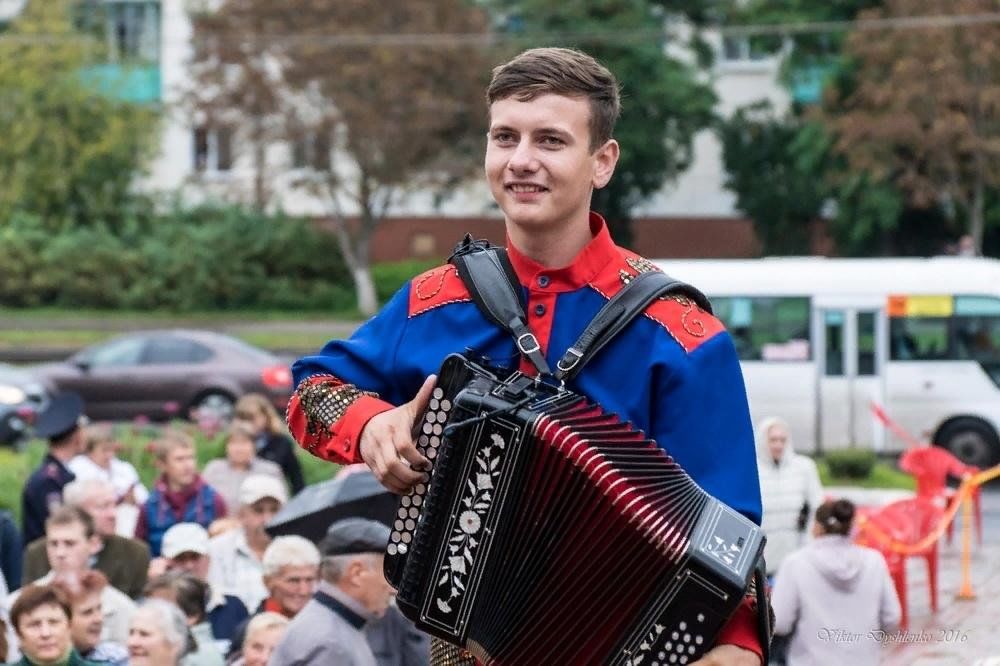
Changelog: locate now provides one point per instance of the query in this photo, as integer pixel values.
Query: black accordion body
(551, 532)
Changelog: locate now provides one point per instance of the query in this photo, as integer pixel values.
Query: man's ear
(605, 159)
(95, 544)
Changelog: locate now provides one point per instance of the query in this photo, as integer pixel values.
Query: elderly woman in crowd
(271, 439)
(264, 632)
(191, 595)
(291, 573)
(227, 474)
(87, 621)
(41, 618)
(790, 491)
(158, 635)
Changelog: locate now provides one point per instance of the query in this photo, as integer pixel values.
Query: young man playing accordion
(673, 373)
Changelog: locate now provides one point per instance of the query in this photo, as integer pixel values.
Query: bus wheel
(970, 440)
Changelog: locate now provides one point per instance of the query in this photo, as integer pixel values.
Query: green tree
(664, 103)
(923, 113)
(772, 166)
(377, 116)
(68, 154)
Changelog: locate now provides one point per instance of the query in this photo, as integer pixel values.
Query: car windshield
(124, 351)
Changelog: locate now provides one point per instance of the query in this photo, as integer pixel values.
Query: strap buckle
(569, 359)
(531, 340)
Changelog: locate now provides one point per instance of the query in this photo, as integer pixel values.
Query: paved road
(961, 632)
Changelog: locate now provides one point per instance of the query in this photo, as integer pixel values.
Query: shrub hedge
(203, 259)
(851, 463)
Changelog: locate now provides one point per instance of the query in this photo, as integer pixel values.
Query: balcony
(137, 83)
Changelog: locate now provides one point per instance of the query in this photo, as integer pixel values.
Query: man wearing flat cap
(352, 592)
(60, 423)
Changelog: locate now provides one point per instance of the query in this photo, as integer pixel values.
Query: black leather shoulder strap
(489, 276)
(616, 314)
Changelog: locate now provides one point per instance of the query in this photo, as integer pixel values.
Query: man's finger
(401, 477)
(423, 396)
(407, 450)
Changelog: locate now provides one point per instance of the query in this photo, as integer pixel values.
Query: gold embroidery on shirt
(693, 326)
(324, 403)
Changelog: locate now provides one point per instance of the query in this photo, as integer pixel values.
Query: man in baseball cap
(186, 548)
(237, 555)
(352, 591)
(60, 423)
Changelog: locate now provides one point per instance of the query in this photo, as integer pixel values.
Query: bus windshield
(969, 332)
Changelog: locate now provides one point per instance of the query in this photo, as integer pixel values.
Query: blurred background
(194, 192)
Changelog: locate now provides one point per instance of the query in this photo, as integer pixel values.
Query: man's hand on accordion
(729, 655)
(387, 447)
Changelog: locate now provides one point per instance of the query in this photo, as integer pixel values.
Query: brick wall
(404, 238)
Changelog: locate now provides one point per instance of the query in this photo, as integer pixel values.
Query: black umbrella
(356, 495)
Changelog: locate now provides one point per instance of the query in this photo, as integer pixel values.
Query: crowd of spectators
(106, 571)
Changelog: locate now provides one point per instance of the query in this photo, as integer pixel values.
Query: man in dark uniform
(60, 424)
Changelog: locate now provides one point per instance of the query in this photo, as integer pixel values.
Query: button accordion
(548, 531)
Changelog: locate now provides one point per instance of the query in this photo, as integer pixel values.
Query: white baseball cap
(258, 486)
(185, 538)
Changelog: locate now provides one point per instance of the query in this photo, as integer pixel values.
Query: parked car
(22, 396)
(169, 373)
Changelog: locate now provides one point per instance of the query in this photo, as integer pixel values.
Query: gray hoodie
(837, 598)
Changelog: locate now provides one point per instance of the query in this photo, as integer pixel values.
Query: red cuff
(340, 443)
(741, 630)
(343, 443)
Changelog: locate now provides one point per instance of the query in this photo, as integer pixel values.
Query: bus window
(866, 344)
(976, 332)
(918, 338)
(767, 328)
(970, 333)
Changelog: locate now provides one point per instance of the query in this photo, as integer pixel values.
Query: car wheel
(213, 406)
(971, 440)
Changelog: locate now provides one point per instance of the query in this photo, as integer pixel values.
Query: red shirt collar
(590, 261)
(273, 606)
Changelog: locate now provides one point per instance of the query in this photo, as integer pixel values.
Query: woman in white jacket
(835, 598)
(790, 491)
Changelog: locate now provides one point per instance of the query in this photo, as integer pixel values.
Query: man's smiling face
(539, 161)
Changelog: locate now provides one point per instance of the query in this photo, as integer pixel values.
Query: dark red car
(165, 374)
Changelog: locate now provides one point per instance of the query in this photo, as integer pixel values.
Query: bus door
(850, 342)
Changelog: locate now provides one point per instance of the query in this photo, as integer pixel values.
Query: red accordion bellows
(553, 533)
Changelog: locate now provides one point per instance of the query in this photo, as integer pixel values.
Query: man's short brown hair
(561, 71)
(69, 515)
(35, 596)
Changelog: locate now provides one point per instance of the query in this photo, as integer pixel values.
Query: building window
(312, 151)
(743, 48)
(133, 30)
(423, 244)
(213, 149)
(767, 328)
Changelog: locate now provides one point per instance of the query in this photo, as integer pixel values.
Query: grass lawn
(47, 327)
(31, 316)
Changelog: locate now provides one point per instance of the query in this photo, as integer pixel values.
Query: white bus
(820, 339)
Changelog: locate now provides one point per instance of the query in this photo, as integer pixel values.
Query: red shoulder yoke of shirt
(434, 288)
(688, 324)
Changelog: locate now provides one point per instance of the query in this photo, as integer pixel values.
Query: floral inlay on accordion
(550, 532)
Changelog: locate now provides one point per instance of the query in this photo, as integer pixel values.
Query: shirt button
(540, 309)
(543, 280)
